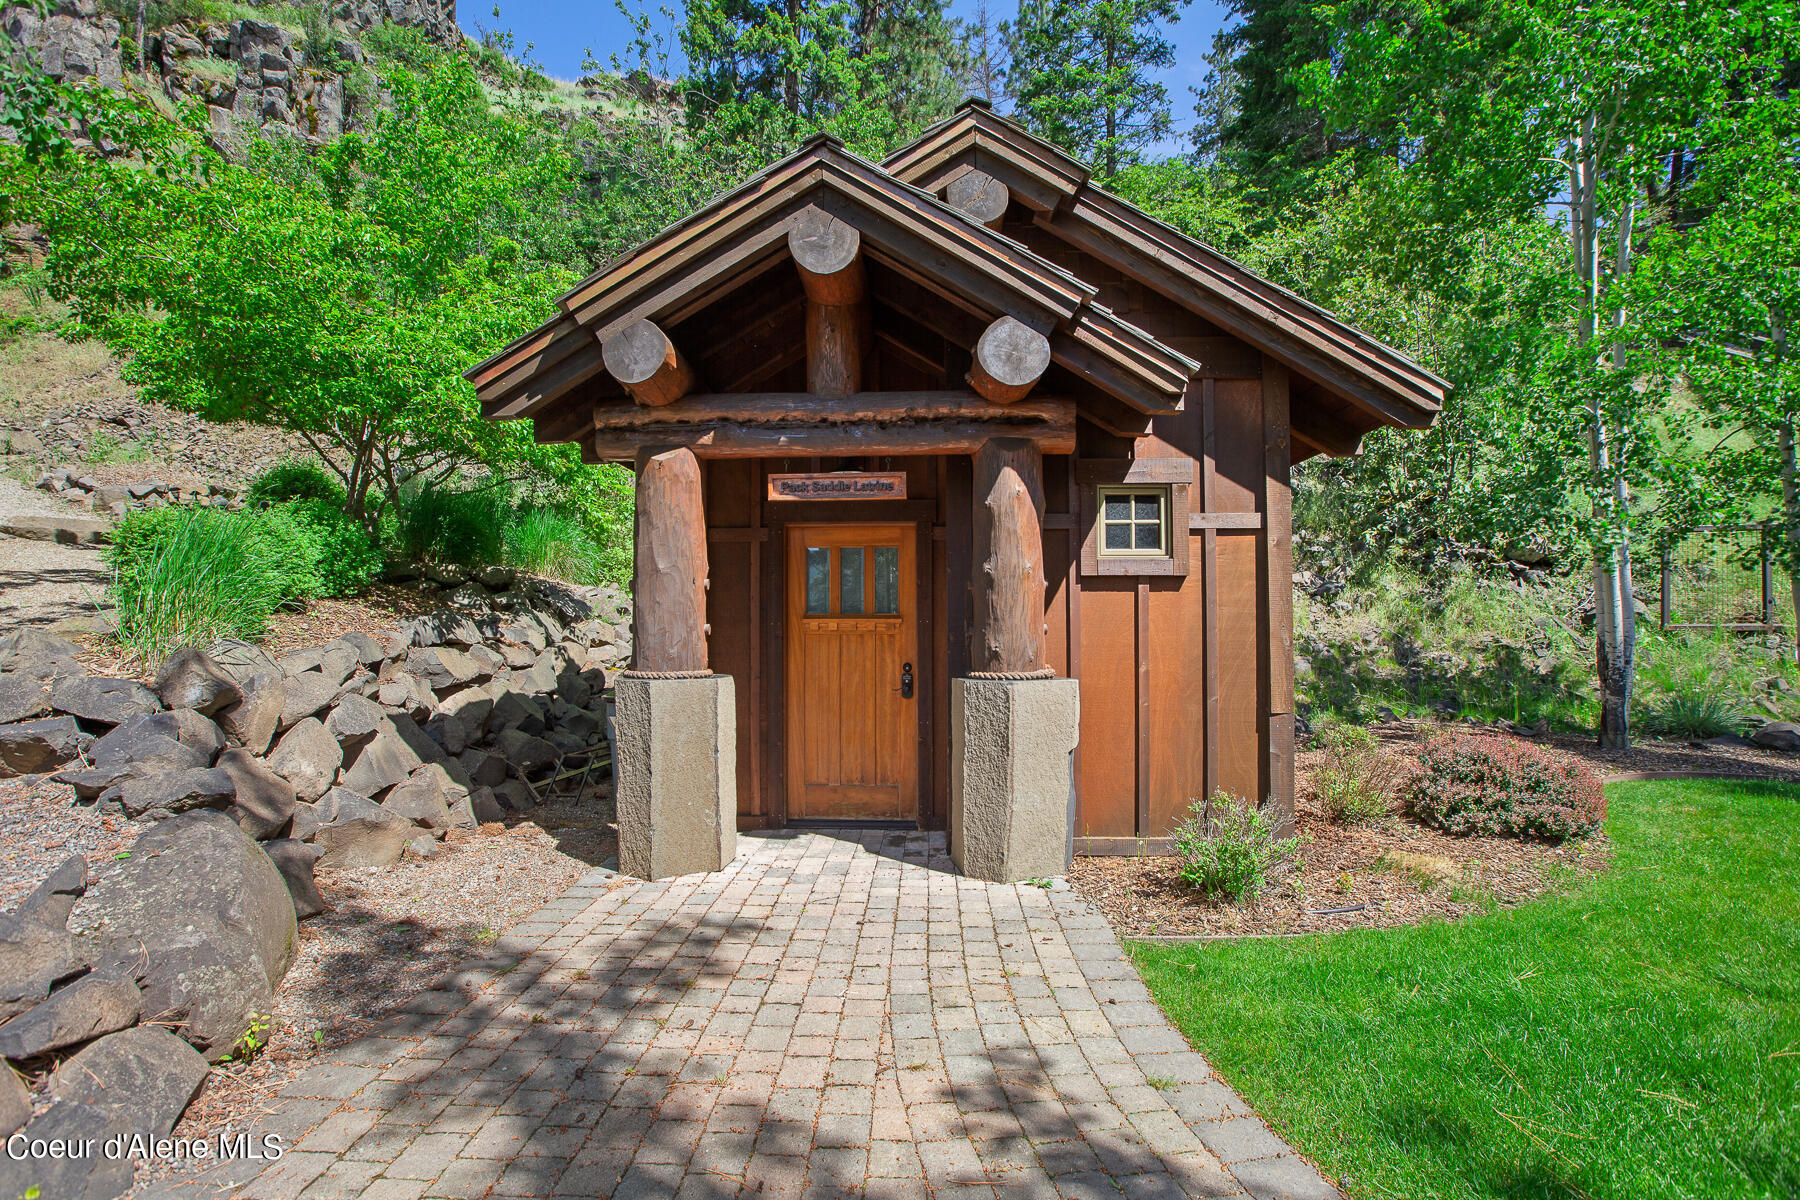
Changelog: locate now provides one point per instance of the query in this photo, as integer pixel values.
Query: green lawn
(1637, 1038)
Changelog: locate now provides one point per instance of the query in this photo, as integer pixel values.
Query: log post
(980, 197)
(1009, 557)
(643, 359)
(669, 590)
(1010, 357)
(828, 255)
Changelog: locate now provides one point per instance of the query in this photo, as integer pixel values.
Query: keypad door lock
(906, 681)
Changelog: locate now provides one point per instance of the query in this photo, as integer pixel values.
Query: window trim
(1175, 474)
(1164, 502)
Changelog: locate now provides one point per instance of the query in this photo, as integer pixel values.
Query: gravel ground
(40, 827)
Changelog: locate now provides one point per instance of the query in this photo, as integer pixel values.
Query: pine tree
(1081, 75)
(984, 54)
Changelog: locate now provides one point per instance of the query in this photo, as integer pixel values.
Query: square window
(1134, 522)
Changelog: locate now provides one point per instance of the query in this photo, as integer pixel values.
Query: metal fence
(1718, 577)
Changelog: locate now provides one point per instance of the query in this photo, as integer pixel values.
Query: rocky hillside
(289, 67)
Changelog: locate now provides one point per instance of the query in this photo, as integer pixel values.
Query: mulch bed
(1397, 872)
(376, 612)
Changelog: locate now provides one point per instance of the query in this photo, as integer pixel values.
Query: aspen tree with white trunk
(1572, 109)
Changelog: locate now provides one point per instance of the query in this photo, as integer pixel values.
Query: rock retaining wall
(117, 990)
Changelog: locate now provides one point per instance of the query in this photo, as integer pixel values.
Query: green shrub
(1696, 715)
(1227, 847)
(446, 525)
(1355, 782)
(159, 14)
(344, 556)
(103, 448)
(547, 541)
(191, 576)
(295, 479)
(1470, 785)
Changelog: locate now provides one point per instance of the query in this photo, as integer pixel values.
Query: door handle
(906, 680)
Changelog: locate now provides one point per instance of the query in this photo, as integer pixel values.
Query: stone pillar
(1012, 785)
(1013, 725)
(676, 774)
(675, 767)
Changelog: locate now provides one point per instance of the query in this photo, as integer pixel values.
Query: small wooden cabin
(850, 355)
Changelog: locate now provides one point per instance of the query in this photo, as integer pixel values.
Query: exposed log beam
(669, 618)
(828, 254)
(1010, 357)
(736, 439)
(643, 359)
(864, 407)
(978, 196)
(1009, 557)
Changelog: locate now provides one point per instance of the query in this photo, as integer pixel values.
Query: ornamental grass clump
(1227, 848)
(1469, 785)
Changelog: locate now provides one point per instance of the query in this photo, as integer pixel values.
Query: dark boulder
(252, 721)
(22, 698)
(264, 802)
(307, 757)
(523, 751)
(49, 903)
(34, 957)
(15, 1102)
(174, 792)
(295, 859)
(146, 1076)
(145, 737)
(32, 747)
(89, 1175)
(381, 763)
(189, 679)
(359, 832)
(101, 701)
(214, 916)
(75, 1013)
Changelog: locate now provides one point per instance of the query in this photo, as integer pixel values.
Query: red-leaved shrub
(1467, 785)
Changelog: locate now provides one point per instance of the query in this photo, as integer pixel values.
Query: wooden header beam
(737, 439)
(753, 408)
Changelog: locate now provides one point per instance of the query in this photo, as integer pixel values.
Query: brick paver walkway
(836, 1014)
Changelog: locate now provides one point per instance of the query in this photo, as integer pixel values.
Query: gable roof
(1386, 386)
(717, 249)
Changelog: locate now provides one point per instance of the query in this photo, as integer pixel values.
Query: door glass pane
(818, 580)
(850, 579)
(887, 579)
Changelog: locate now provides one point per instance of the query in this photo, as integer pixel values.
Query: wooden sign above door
(839, 485)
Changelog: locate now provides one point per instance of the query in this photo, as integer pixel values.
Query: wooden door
(852, 656)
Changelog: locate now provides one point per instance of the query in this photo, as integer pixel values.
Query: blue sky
(559, 30)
